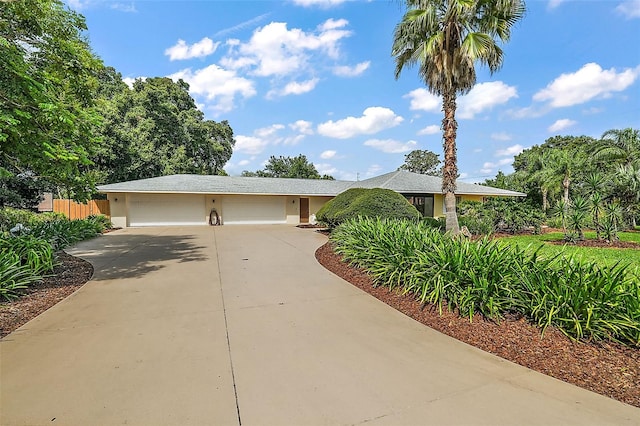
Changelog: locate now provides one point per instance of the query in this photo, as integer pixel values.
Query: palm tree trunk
(545, 202)
(565, 184)
(450, 169)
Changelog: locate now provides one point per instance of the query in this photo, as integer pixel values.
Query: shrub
(584, 300)
(35, 253)
(10, 217)
(63, 233)
(100, 222)
(14, 276)
(360, 202)
(435, 223)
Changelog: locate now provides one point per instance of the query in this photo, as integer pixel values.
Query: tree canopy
(289, 167)
(47, 87)
(155, 129)
(424, 162)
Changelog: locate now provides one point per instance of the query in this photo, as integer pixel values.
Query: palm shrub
(584, 300)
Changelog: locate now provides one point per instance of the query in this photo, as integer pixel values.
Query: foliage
(445, 39)
(20, 190)
(360, 202)
(14, 276)
(64, 232)
(47, 87)
(583, 299)
(420, 161)
(10, 217)
(500, 214)
(156, 129)
(33, 252)
(288, 167)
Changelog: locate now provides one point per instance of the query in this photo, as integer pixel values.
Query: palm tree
(446, 38)
(543, 174)
(620, 146)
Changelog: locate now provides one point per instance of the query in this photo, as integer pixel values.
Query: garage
(166, 209)
(253, 210)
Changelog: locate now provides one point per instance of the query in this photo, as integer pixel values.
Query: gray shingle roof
(206, 184)
(414, 183)
(399, 181)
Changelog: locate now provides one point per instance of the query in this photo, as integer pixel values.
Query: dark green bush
(360, 202)
(500, 214)
(435, 223)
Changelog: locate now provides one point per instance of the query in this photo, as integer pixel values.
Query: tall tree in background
(155, 129)
(619, 146)
(288, 167)
(47, 86)
(423, 162)
(445, 38)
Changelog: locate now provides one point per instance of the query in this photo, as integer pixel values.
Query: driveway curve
(240, 325)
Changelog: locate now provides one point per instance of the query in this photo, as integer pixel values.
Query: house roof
(414, 183)
(400, 181)
(207, 184)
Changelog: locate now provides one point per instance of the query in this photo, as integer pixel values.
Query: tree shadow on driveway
(133, 256)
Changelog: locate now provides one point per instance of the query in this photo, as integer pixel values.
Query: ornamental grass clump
(584, 300)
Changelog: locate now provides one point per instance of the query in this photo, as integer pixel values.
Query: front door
(304, 210)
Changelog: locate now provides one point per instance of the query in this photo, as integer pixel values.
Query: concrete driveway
(241, 325)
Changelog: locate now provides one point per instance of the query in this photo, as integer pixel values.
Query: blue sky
(316, 77)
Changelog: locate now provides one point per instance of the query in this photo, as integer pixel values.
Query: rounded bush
(361, 202)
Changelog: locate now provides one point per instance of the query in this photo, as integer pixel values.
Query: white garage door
(253, 210)
(166, 209)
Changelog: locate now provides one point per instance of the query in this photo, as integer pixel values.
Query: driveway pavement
(240, 325)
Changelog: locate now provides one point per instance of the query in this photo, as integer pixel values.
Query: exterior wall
(118, 207)
(316, 203)
(292, 210)
(439, 209)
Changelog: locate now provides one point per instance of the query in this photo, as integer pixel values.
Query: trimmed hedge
(361, 202)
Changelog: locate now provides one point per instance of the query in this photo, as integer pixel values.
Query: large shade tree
(445, 39)
(47, 88)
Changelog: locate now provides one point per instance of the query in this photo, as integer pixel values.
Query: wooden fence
(75, 210)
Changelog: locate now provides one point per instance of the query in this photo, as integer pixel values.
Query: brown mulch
(609, 369)
(69, 275)
(599, 244)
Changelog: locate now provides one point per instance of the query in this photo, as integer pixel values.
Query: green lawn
(605, 256)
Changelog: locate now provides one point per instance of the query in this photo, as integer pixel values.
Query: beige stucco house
(196, 199)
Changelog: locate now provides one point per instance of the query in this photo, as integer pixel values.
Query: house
(195, 199)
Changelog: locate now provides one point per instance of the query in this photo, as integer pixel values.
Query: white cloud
(589, 82)
(561, 125)
(302, 126)
(354, 71)
(490, 167)
(629, 8)
(510, 151)
(250, 144)
(181, 50)
(554, 3)
(320, 3)
(241, 25)
(430, 130)
(483, 97)
(391, 146)
(275, 50)
(124, 7)
(328, 154)
(373, 120)
(422, 100)
(325, 169)
(294, 88)
(243, 163)
(501, 136)
(373, 170)
(129, 81)
(269, 131)
(218, 85)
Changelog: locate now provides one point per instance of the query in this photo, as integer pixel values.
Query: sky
(316, 77)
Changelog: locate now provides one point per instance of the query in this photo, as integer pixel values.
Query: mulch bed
(69, 275)
(606, 368)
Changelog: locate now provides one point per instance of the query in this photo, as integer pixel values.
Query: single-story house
(194, 199)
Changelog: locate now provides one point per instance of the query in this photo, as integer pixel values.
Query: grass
(603, 256)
